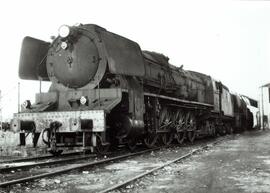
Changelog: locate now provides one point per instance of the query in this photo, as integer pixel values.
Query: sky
(229, 40)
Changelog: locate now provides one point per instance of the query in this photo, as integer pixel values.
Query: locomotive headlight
(83, 100)
(64, 31)
(26, 104)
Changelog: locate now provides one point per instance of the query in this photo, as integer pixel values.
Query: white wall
(264, 104)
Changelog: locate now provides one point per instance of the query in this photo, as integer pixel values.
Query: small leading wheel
(191, 135)
(100, 147)
(167, 138)
(131, 144)
(180, 137)
(56, 152)
(150, 140)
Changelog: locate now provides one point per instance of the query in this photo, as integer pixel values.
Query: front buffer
(60, 130)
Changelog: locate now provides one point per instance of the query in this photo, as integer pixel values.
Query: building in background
(252, 105)
(265, 106)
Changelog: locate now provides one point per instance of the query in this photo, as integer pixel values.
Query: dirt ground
(238, 164)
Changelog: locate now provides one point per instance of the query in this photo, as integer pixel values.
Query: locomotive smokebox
(80, 56)
(73, 59)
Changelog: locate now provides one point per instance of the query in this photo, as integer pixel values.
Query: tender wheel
(180, 137)
(191, 135)
(167, 138)
(151, 140)
(222, 130)
(214, 132)
(101, 148)
(131, 144)
(229, 129)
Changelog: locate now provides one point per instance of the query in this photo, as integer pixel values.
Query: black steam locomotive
(106, 91)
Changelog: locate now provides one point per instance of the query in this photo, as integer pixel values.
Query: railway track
(79, 166)
(37, 158)
(22, 164)
(8, 168)
(128, 181)
(65, 170)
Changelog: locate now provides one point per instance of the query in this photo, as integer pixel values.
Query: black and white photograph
(135, 96)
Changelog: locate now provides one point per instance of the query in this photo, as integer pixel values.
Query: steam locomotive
(106, 91)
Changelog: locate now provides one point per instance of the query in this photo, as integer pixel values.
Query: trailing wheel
(167, 138)
(180, 137)
(213, 132)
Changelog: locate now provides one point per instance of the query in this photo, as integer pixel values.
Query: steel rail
(61, 171)
(26, 159)
(120, 185)
(35, 158)
(46, 163)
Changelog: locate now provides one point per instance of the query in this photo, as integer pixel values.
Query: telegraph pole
(40, 84)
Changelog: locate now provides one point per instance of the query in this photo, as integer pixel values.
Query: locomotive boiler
(106, 91)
